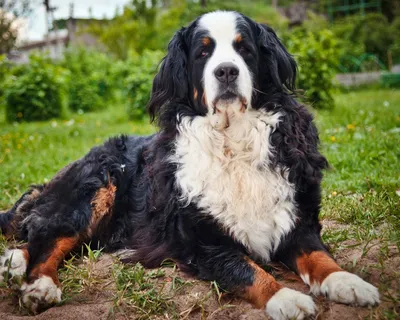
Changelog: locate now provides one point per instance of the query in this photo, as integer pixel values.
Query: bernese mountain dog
(230, 181)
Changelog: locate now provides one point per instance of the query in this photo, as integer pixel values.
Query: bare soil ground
(201, 300)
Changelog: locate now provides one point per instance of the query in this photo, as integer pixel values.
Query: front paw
(345, 287)
(40, 294)
(290, 304)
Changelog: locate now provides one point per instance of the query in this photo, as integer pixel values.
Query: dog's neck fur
(225, 170)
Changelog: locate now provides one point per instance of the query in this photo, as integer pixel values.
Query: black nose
(226, 72)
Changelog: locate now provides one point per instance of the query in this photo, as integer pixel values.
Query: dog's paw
(345, 287)
(290, 304)
(13, 266)
(40, 294)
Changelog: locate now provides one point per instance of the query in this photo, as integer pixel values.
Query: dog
(229, 182)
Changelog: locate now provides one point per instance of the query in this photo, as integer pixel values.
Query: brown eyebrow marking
(206, 41)
(238, 37)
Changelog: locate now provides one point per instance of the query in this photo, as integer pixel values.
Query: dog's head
(222, 58)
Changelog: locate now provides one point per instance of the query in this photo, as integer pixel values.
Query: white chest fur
(226, 173)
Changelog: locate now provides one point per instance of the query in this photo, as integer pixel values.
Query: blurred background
(93, 52)
(73, 73)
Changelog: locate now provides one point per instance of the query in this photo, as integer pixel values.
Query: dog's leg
(51, 243)
(239, 274)
(309, 258)
(42, 288)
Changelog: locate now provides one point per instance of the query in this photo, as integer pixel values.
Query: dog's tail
(9, 220)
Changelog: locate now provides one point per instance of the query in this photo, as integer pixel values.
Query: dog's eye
(243, 50)
(204, 53)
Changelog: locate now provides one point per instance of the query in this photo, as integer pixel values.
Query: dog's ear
(275, 57)
(171, 82)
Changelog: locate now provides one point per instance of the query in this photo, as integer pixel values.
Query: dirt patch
(200, 300)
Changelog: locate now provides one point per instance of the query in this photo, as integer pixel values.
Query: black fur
(147, 215)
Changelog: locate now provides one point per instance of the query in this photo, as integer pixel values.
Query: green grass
(138, 291)
(361, 140)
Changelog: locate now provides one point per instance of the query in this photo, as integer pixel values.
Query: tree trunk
(203, 3)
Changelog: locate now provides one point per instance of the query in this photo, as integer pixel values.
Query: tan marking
(25, 252)
(49, 268)
(317, 265)
(195, 93)
(204, 99)
(263, 287)
(228, 152)
(244, 102)
(206, 41)
(238, 38)
(102, 204)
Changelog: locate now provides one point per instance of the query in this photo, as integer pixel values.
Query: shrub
(317, 57)
(395, 47)
(390, 80)
(89, 85)
(6, 68)
(34, 91)
(358, 34)
(141, 70)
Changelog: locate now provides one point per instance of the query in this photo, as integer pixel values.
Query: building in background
(67, 32)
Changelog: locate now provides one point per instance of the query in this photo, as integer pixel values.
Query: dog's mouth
(229, 97)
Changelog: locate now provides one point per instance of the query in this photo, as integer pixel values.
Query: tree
(11, 11)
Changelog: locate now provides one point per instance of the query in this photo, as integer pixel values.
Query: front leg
(309, 258)
(237, 273)
(42, 287)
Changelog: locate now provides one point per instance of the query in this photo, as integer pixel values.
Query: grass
(137, 290)
(360, 138)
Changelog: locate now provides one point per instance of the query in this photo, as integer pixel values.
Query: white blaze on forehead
(221, 26)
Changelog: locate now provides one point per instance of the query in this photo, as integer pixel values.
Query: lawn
(361, 209)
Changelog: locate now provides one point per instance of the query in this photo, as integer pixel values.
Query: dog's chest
(227, 174)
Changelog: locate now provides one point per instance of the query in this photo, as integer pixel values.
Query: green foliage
(133, 30)
(358, 34)
(5, 71)
(139, 72)
(390, 80)
(316, 55)
(373, 30)
(89, 86)
(34, 91)
(395, 47)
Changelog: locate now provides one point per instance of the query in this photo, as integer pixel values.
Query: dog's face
(221, 59)
(223, 63)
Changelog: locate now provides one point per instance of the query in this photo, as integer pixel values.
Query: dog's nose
(226, 72)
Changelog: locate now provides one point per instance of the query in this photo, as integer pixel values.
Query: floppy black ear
(171, 82)
(281, 64)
